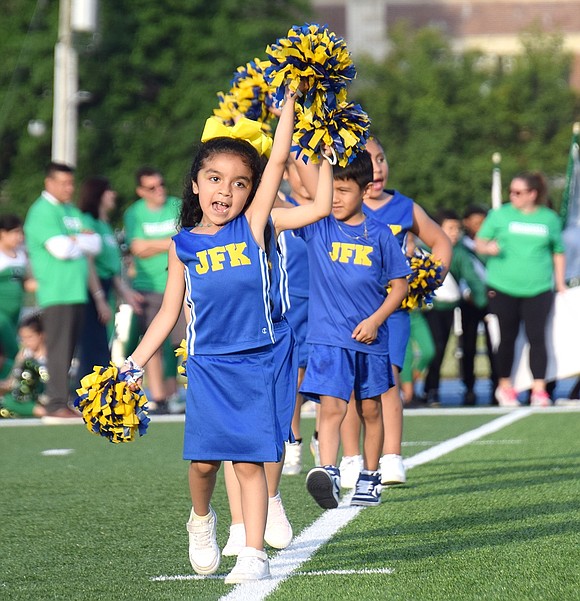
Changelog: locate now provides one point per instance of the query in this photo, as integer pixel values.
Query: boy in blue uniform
(352, 259)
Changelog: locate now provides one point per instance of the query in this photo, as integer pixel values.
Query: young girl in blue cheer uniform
(217, 261)
(278, 533)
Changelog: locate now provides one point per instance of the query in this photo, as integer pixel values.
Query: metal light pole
(77, 15)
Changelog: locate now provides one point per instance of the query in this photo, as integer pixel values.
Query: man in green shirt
(58, 246)
(150, 222)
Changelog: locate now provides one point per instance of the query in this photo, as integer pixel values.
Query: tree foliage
(441, 114)
(154, 69)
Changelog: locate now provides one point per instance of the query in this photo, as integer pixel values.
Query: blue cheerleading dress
(230, 403)
(397, 214)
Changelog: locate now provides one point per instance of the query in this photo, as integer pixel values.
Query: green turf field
(498, 518)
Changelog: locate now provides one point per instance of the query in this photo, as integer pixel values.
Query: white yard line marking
(56, 452)
(286, 563)
(313, 573)
(430, 443)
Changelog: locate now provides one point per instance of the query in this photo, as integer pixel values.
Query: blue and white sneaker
(368, 489)
(323, 483)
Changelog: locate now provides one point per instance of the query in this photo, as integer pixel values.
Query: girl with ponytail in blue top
(218, 263)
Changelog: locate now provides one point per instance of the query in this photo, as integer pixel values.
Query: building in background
(492, 26)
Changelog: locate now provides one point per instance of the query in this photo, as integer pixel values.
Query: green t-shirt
(463, 270)
(527, 243)
(108, 261)
(12, 275)
(144, 224)
(60, 281)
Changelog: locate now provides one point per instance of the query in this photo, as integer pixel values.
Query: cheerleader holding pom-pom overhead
(218, 263)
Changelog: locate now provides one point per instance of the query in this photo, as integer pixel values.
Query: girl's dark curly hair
(191, 212)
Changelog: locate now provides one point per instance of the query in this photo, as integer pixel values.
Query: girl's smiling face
(223, 186)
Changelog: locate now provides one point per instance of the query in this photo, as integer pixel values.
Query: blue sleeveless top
(397, 214)
(278, 277)
(227, 290)
(294, 259)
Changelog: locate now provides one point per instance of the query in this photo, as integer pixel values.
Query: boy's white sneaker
(236, 540)
(204, 553)
(278, 532)
(392, 470)
(350, 467)
(368, 489)
(252, 564)
(292, 459)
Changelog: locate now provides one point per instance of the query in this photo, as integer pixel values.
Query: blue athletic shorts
(399, 324)
(297, 317)
(334, 371)
(230, 411)
(286, 376)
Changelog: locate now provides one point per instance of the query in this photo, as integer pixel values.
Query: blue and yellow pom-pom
(345, 129)
(109, 408)
(424, 279)
(181, 352)
(248, 97)
(315, 56)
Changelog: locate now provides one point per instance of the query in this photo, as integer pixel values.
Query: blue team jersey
(227, 290)
(295, 260)
(349, 269)
(397, 214)
(279, 296)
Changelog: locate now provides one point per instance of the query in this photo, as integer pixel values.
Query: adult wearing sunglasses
(525, 264)
(149, 224)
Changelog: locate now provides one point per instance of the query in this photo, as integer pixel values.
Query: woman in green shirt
(523, 242)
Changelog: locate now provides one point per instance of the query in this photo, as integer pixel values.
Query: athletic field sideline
(490, 511)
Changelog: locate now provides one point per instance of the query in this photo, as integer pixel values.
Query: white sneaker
(252, 564)
(392, 469)
(204, 553)
(236, 540)
(278, 532)
(292, 459)
(350, 467)
(308, 409)
(315, 450)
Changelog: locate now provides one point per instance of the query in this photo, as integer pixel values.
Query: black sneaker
(469, 398)
(323, 483)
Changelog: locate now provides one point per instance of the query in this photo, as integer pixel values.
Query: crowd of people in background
(501, 268)
(65, 263)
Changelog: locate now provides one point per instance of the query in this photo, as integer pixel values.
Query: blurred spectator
(58, 247)
(150, 222)
(440, 319)
(15, 278)
(25, 388)
(96, 201)
(523, 241)
(471, 315)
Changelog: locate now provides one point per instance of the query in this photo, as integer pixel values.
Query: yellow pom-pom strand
(424, 279)
(181, 352)
(109, 407)
(248, 96)
(345, 129)
(316, 56)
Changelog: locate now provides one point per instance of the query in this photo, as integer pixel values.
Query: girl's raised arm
(297, 217)
(259, 211)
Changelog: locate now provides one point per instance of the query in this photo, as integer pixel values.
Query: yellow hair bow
(244, 129)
